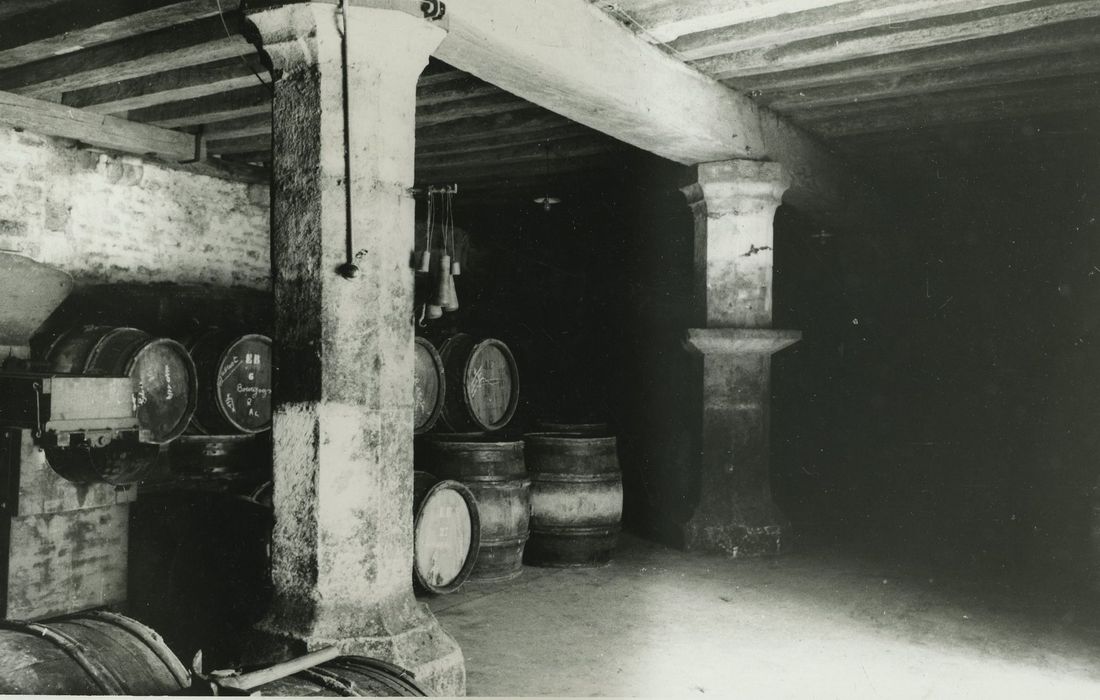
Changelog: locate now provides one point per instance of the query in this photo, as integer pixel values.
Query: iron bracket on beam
(433, 9)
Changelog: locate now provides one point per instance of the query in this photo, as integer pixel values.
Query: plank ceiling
(877, 80)
(885, 82)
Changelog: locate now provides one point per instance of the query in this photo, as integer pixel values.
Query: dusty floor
(659, 622)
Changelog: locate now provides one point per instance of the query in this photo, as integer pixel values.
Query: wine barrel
(91, 653)
(160, 370)
(446, 533)
(234, 373)
(482, 384)
(495, 474)
(346, 676)
(585, 429)
(429, 387)
(576, 499)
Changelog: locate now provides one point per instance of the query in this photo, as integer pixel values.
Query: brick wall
(107, 219)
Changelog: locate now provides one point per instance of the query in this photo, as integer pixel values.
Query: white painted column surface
(734, 205)
(342, 545)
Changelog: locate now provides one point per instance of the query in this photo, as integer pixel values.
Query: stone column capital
(726, 186)
(739, 341)
(302, 35)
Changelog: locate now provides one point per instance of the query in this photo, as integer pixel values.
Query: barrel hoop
(150, 638)
(575, 531)
(495, 482)
(106, 679)
(489, 542)
(330, 681)
(400, 679)
(604, 477)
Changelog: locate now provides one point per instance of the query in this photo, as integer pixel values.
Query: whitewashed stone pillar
(342, 428)
(734, 205)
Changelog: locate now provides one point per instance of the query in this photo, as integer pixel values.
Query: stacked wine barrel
(216, 383)
(494, 472)
(446, 533)
(576, 497)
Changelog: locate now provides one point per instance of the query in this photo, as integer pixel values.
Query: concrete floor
(659, 622)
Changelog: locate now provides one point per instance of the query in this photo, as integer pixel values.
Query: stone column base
(738, 541)
(426, 650)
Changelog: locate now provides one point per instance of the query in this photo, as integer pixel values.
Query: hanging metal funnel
(30, 291)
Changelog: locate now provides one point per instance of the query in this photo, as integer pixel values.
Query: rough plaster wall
(105, 218)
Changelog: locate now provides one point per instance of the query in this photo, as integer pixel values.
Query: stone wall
(108, 219)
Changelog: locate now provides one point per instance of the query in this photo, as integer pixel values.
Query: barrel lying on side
(576, 499)
(429, 387)
(91, 653)
(446, 533)
(482, 384)
(160, 369)
(164, 387)
(234, 383)
(494, 472)
(346, 676)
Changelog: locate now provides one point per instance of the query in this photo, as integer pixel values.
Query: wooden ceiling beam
(255, 125)
(170, 86)
(562, 152)
(931, 82)
(184, 45)
(245, 144)
(989, 96)
(820, 21)
(1019, 45)
(493, 140)
(494, 172)
(887, 40)
(664, 20)
(487, 105)
(50, 119)
(958, 114)
(245, 102)
(76, 24)
(475, 128)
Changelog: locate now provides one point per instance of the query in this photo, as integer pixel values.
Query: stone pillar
(734, 204)
(342, 427)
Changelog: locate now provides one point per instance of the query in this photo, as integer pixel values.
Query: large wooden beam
(76, 24)
(1034, 43)
(546, 53)
(911, 35)
(930, 82)
(829, 20)
(51, 119)
(189, 44)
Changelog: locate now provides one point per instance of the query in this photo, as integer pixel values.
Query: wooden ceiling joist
(475, 128)
(664, 20)
(50, 119)
(170, 86)
(551, 135)
(828, 20)
(1052, 89)
(892, 39)
(245, 102)
(167, 49)
(563, 152)
(930, 82)
(486, 105)
(1019, 45)
(256, 125)
(245, 144)
(76, 24)
(1003, 109)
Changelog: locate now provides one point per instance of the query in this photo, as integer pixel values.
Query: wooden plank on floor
(77, 24)
(175, 85)
(188, 44)
(51, 119)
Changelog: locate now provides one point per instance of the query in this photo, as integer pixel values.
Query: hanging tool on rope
(445, 297)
